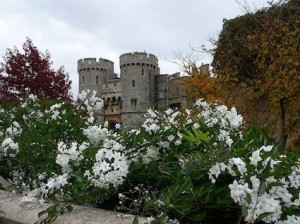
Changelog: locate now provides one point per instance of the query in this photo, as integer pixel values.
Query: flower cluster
(53, 183)
(165, 131)
(96, 133)
(72, 154)
(91, 102)
(54, 111)
(290, 220)
(57, 150)
(228, 121)
(110, 167)
(57, 146)
(158, 134)
(256, 187)
(9, 147)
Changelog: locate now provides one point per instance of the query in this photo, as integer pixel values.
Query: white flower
(83, 95)
(267, 148)
(164, 144)
(110, 167)
(171, 138)
(241, 165)
(229, 142)
(151, 113)
(92, 104)
(14, 130)
(266, 204)
(95, 133)
(169, 111)
(55, 115)
(290, 220)
(154, 127)
(237, 191)
(32, 97)
(214, 172)
(255, 158)
(255, 183)
(9, 147)
(151, 154)
(62, 180)
(196, 125)
(72, 153)
(91, 120)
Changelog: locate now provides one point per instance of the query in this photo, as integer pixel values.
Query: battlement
(93, 63)
(138, 58)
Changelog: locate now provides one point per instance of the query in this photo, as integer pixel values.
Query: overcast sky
(74, 29)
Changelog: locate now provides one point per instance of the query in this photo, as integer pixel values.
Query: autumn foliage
(201, 83)
(257, 58)
(30, 72)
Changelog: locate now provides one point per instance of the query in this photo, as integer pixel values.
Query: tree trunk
(283, 135)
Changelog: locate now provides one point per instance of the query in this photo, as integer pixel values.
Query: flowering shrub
(33, 130)
(182, 153)
(182, 132)
(264, 184)
(164, 147)
(192, 166)
(54, 149)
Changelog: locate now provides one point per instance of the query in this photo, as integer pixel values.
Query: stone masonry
(139, 87)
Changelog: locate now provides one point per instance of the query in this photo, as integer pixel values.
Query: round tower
(137, 71)
(93, 73)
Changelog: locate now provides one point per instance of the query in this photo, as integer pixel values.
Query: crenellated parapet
(138, 59)
(128, 96)
(86, 64)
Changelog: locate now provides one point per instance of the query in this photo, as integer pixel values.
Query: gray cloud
(73, 29)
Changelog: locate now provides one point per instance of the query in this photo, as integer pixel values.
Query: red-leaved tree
(30, 72)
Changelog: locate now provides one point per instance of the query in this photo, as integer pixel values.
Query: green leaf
(136, 220)
(42, 213)
(249, 199)
(244, 211)
(262, 188)
(69, 208)
(199, 217)
(260, 217)
(196, 136)
(52, 211)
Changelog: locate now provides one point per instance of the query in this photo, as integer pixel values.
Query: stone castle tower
(139, 87)
(138, 71)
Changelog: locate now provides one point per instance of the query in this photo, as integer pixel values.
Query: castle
(139, 87)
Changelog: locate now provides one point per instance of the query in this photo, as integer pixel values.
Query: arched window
(142, 71)
(83, 79)
(114, 100)
(97, 79)
(133, 83)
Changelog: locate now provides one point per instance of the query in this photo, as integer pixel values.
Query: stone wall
(140, 87)
(14, 212)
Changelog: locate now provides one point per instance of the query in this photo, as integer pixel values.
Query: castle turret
(93, 73)
(138, 72)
